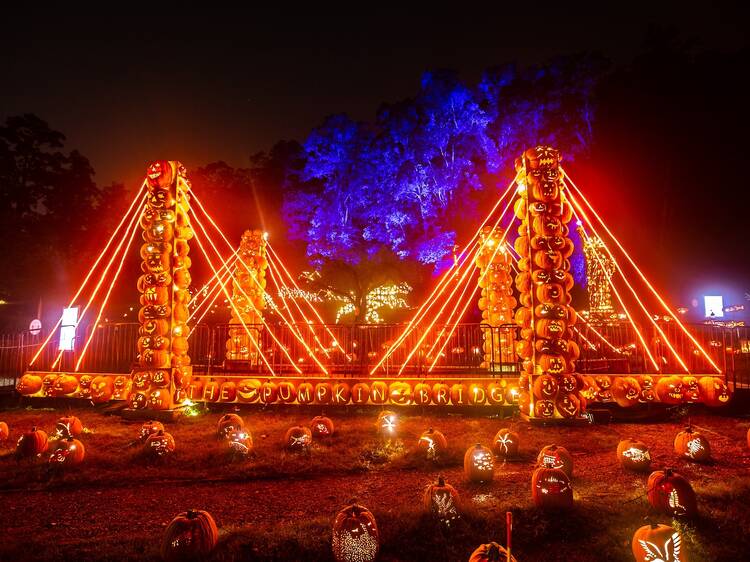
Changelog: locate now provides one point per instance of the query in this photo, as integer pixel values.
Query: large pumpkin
(433, 443)
(321, 427)
(658, 542)
(490, 552)
(714, 391)
(441, 500)
(669, 390)
(32, 443)
(355, 535)
(633, 455)
(479, 464)
(67, 452)
(553, 456)
(505, 444)
(227, 424)
(191, 535)
(626, 391)
(298, 438)
(692, 445)
(671, 493)
(551, 488)
(160, 444)
(102, 389)
(29, 384)
(65, 384)
(69, 426)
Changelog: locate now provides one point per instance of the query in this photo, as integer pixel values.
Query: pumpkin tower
(163, 371)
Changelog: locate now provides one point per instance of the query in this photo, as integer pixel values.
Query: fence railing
(354, 350)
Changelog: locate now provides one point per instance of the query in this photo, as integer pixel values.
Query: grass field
(280, 506)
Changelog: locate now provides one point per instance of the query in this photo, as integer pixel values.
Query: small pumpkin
(671, 493)
(479, 464)
(227, 424)
(441, 501)
(67, 452)
(433, 443)
(160, 444)
(505, 444)
(191, 535)
(490, 552)
(321, 427)
(692, 445)
(298, 438)
(551, 488)
(148, 428)
(32, 443)
(633, 455)
(355, 535)
(69, 426)
(553, 456)
(658, 542)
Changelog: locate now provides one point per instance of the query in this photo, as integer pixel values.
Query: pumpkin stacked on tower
(546, 348)
(496, 302)
(248, 289)
(163, 372)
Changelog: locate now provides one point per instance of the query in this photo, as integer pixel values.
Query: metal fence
(354, 350)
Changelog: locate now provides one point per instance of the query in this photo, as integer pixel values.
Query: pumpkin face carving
(149, 428)
(67, 452)
(714, 391)
(229, 423)
(355, 535)
(160, 444)
(553, 456)
(568, 405)
(544, 408)
(669, 390)
(551, 488)
(29, 384)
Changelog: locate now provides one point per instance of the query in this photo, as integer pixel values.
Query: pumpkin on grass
(441, 501)
(671, 493)
(321, 427)
(490, 552)
(551, 488)
(505, 444)
(191, 535)
(633, 455)
(433, 443)
(240, 443)
(386, 424)
(160, 444)
(355, 535)
(150, 427)
(31, 444)
(67, 452)
(658, 542)
(553, 456)
(227, 424)
(479, 464)
(692, 445)
(69, 426)
(298, 438)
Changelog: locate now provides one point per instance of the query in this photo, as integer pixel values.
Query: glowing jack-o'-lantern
(479, 464)
(551, 488)
(355, 535)
(441, 501)
(669, 390)
(29, 384)
(626, 391)
(160, 174)
(191, 535)
(692, 445)
(553, 364)
(68, 426)
(553, 456)
(149, 428)
(433, 443)
(655, 543)
(227, 424)
(545, 387)
(671, 493)
(714, 391)
(67, 452)
(160, 444)
(505, 444)
(4, 431)
(31, 444)
(634, 455)
(387, 424)
(544, 408)
(321, 427)
(121, 387)
(491, 552)
(64, 384)
(160, 399)
(240, 443)
(298, 438)
(569, 405)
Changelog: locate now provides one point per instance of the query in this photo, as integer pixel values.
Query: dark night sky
(202, 87)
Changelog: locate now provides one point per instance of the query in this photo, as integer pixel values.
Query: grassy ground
(280, 506)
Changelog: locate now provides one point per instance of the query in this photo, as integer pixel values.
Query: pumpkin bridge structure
(532, 349)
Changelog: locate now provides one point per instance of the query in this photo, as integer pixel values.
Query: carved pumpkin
(360, 393)
(31, 444)
(633, 455)
(422, 394)
(122, 386)
(67, 452)
(479, 464)
(714, 391)
(29, 384)
(321, 427)
(505, 444)
(298, 438)
(490, 552)
(553, 364)
(692, 445)
(671, 493)
(551, 488)
(227, 424)
(658, 542)
(248, 390)
(4, 432)
(160, 399)
(355, 535)
(387, 424)
(64, 384)
(191, 535)
(569, 405)
(669, 390)
(626, 391)
(552, 293)
(160, 444)
(148, 428)
(550, 328)
(553, 456)
(69, 426)
(545, 387)
(324, 392)
(160, 174)
(544, 408)
(240, 442)
(441, 501)
(441, 394)
(102, 389)
(433, 443)
(379, 393)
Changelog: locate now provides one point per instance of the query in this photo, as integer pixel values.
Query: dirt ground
(280, 506)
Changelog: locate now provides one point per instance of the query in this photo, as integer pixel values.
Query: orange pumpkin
(69, 426)
(441, 394)
(479, 464)
(191, 535)
(714, 391)
(148, 428)
(321, 427)
(633, 455)
(671, 493)
(441, 501)
(433, 443)
(160, 444)
(323, 393)
(505, 444)
(67, 452)
(422, 394)
(490, 552)
(227, 424)
(669, 390)
(355, 535)
(298, 438)
(29, 384)
(341, 394)
(692, 445)
(4, 431)
(626, 391)
(658, 542)
(269, 391)
(553, 456)
(32, 443)
(551, 488)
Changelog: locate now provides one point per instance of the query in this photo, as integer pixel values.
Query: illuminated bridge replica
(532, 350)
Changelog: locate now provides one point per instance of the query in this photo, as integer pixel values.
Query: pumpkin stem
(668, 472)
(429, 430)
(441, 481)
(493, 553)
(191, 514)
